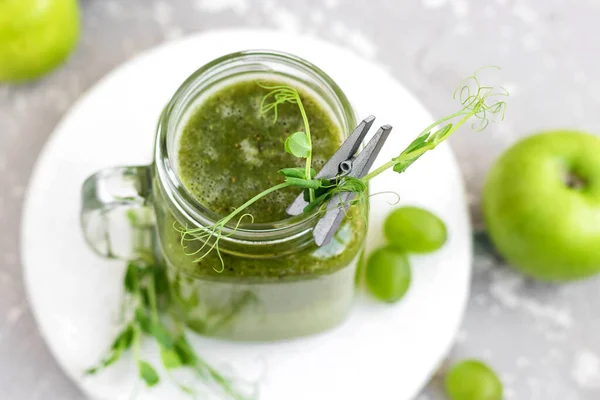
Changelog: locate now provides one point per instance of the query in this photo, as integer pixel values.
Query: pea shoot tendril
(480, 104)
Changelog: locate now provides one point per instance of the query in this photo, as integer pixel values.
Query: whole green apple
(35, 36)
(541, 204)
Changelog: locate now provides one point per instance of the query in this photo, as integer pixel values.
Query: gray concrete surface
(543, 339)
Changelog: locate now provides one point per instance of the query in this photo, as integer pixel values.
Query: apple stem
(574, 181)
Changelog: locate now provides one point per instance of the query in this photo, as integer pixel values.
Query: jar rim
(178, 194)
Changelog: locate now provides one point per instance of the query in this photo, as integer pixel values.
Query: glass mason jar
(274, 282)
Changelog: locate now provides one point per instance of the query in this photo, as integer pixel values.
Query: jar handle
(115, 216)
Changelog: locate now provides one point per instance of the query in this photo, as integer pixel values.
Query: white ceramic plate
(381, 352)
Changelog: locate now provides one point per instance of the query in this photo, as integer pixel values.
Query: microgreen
(296, 173)
(154, 306)
(148, 373)
(299, 143)
(478, 103)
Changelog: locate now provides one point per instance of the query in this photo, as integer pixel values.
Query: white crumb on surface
(330, 4)
(21, 103)
(113, 8)
(162, 12)
(506, 31)
(285, 20)
(462, 29)
(434, 3)
(505, 289)
(354, 38)
(460, 8)
(5, 278)
(586, 369)
(495, 310)
(480, 299)
(509, 393)
(317, 17)
(57, 97)
(217, 6)
(522, 362)
(525, 13)
(10, 258)
(489, 11)
(11, 317)
(461, 336)
(549, 61)
(579, 77)
(529, 42)
(173, 32)
(14, 314)
(555, 354)
(17, 191)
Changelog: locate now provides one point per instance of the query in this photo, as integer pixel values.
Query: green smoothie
(227, 153)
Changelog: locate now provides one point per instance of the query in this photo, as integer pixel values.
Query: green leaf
(124, 340)
(351, 184)
(317, 201)
(162, 335)
(185, 351)
(92, 371)
(441, 134)
(143, 320)
(170, 358)
(197, 325)
(304, 183)
(131, 278)
(188, 390)
(121, 343)
(148, 374)
(326, 182)
(161, 280)
(417, 143)
(191, 302)
(401, 166)
(108, 360)
(297, 172)
(297, 144)
(145, 297)
(112, 358)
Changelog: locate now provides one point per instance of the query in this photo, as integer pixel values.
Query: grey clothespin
(346, 162)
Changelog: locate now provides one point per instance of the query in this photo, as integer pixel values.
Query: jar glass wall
(273, 282)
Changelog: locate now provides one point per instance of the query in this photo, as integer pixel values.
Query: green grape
(473, 380)
(414, 230)
(35, 36)
(388, 274)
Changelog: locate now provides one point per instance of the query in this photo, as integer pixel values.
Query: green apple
(35, 36)
(541, 204)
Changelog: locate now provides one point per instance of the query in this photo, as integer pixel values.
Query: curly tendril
(475, 99)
